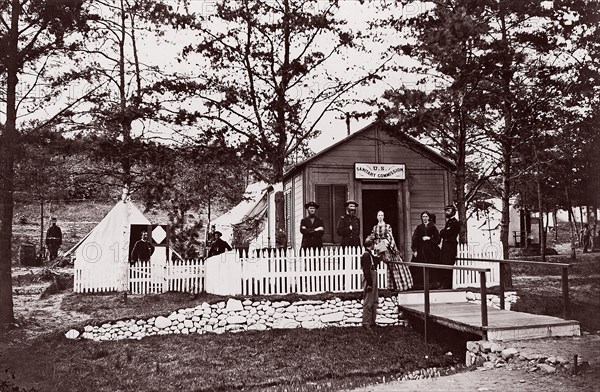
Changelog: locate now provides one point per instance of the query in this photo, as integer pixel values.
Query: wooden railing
(427, 307)
(564, 279)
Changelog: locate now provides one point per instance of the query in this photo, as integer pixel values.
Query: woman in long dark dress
(425, 241)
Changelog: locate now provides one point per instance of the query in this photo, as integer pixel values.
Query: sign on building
(379, 171)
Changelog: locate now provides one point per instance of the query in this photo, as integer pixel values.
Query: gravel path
(517, 378)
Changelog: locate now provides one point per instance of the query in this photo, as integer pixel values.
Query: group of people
(380, 246)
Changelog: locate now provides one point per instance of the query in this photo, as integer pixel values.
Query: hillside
(75, 219)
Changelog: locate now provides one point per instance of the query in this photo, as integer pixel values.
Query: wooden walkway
(502, 324)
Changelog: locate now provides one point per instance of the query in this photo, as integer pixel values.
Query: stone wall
(487, 355)
(234, 316)
(493, 300)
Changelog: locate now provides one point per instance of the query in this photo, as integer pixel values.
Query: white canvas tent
(102, 257)
(252, 205)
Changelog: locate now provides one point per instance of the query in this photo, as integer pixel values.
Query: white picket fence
(174, 275)
(90, 280)
(309, 271)
(143, 278)
(273, 272)
(491, 251)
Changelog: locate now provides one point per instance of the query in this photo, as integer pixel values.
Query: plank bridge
(448, 308)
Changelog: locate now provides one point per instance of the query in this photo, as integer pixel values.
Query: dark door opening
(374, 201)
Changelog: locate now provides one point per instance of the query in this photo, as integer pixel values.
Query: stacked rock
(493, 300)
(486, 355)
(235, 316)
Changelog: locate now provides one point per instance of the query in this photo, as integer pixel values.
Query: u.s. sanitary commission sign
(379, 171)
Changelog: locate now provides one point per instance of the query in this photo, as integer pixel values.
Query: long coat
(349, 237)
(449, 235)
(310, 237)
(427, 251)
(142, 250)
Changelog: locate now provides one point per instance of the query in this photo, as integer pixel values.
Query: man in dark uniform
(449, 235)
(218, 246)
(312, 227)
(348, 226)
(53, 238)
(142, 250)
(369, 263)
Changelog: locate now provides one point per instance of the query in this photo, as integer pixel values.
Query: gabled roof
(407, 140)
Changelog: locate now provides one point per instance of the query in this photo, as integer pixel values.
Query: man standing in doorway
(449, 235)
(348, 226)
(142, 250)
(53, 238)
(312, 227)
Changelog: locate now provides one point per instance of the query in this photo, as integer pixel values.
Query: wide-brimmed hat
(351, 202)
(311, 204)
(219, 233)
(450, 207)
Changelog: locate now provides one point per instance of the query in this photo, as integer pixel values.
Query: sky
(165, 54)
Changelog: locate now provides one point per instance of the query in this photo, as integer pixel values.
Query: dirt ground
(39, 314)
(497, 380)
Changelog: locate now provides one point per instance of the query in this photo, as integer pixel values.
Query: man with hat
(449, 235)
(348, 226)
(218, 246)
(312, 227)
(53, 238)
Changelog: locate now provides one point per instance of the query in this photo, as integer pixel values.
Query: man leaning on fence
(142, 250)
(369, 263)
(218, 246)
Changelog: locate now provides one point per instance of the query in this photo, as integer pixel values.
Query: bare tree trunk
(280, 241)
(504, 228)
(555, 218)
(8, 142)
(461, 173)
(571, 224)
(125, 118)
(506, 143)
(41, 254)
(538, 183)
(541, 220)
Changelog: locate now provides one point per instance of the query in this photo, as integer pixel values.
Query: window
(331, 199)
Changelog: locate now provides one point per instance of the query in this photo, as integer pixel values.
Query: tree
(191, 181)
(264, 84)
(444, 105)
(119, 79)
(31, 33)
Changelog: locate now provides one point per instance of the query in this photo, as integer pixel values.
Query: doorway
(380, 199)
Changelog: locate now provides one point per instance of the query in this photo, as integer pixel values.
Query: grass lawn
(298, 359)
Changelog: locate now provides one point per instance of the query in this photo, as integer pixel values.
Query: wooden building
(396, 174)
